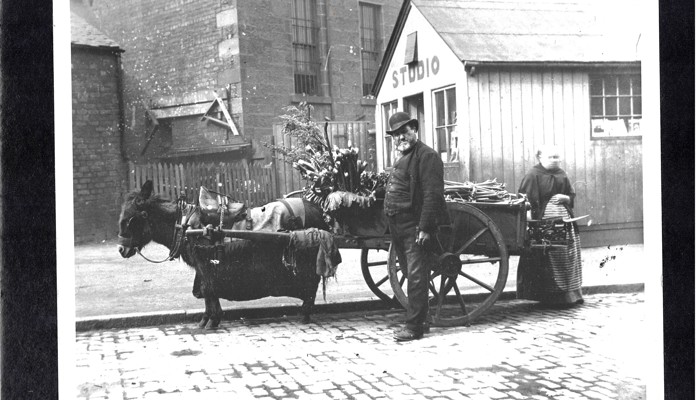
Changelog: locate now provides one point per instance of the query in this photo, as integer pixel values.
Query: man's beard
(405, 146)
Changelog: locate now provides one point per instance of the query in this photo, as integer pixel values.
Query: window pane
(451, 107)
(389, 146)
(597, 106)
(611, 107)
(596, 87)
(440, 108)
(454, 152)
(625, 106)
(624, 86)
(610, 85)
(637, 85)
(442, 139)
(637, 105)
(304, 43)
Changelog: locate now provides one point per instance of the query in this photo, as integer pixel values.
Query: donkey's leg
(307, 307)
(205, 317)
(215, 313)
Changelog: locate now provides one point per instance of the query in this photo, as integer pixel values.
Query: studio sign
(416, 71)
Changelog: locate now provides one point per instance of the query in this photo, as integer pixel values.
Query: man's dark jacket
(426, 170)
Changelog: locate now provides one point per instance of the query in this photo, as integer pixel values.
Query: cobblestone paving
(517, 351)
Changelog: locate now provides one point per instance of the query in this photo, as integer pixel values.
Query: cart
(471, 254)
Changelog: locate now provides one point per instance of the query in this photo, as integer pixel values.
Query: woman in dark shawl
(551, 276)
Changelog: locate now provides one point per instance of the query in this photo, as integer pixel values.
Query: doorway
(413, 105)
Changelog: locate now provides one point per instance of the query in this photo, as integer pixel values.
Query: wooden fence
(340, 133)
(253, 184)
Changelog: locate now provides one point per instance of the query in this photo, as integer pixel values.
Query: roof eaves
(475, 63)
(113, 49)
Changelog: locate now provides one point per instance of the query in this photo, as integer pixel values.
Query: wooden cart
(471, 256)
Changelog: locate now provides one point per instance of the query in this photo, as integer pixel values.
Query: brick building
(256, 56)
(99, 170)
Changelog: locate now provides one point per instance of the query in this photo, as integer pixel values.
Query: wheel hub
(450, 264)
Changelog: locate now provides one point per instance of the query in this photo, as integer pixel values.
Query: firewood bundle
(489, 191)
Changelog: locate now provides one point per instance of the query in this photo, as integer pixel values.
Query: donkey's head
(134, 226)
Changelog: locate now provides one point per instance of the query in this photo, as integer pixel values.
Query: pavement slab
(518, 350)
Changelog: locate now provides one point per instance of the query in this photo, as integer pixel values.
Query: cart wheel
(471, 268)
(373, 263)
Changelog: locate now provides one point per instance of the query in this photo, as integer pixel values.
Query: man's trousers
(414, 261)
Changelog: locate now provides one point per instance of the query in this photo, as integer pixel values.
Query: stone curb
(138, 320)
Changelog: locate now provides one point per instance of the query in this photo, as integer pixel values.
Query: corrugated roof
(84, 34)
(536, 31)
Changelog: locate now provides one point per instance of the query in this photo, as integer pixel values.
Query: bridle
(179, 231)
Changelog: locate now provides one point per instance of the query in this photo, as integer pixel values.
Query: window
(389, 109)
(371, 44)
(446, 124)
(616, 105)
(305, 46)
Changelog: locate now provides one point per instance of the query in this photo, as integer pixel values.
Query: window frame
(388, 109)
(376, 51)
(305, 48)
(449, 126)
(606, 96)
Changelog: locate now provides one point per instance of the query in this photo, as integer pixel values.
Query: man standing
(415, 205)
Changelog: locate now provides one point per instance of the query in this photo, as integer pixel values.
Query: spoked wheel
(470, 268)
(374, 270)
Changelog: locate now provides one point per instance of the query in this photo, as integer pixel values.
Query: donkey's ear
(147, 189)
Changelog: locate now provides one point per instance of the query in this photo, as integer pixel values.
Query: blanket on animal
(268, 268)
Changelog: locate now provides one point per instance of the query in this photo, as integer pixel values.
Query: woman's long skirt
(553, 275)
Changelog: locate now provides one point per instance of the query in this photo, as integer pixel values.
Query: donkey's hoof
(203, 322)
(212, 325)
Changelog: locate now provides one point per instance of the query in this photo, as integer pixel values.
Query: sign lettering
(415, 72)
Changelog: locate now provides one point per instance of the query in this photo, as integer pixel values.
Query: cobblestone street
(517, 351)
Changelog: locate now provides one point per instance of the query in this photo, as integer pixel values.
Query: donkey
(238, 270)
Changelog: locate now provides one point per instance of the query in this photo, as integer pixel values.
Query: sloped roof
(524, 32)
(577, 31)
(84, 34)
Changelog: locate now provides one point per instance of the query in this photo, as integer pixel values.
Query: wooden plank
(558, 133)
(517, 131)
(257, 179)
(269, 186)
(547, 107)
(131, 176)
(565, 137)
(580, 125)
(249, 196)
(474, 132)
(161, 184)
(144, 174)
(485, 131)
(507, 164)
(496, 152)
(537, 110)
(529, 142)
(289, 177)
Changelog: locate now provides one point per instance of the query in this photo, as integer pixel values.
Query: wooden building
(489, 81)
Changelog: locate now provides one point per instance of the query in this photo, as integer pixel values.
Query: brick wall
(266, 61)
(99, 173)
(177, 52)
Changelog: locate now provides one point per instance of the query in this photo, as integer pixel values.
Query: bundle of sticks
(488, 191)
